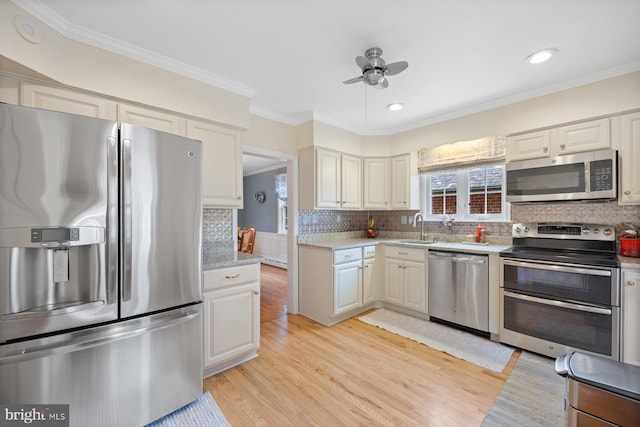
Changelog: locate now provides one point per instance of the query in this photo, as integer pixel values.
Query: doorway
(262, 172)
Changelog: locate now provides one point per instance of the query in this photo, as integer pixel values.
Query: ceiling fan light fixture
(541, 56)
(396, 106)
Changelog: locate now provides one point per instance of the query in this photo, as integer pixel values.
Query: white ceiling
(291, 56)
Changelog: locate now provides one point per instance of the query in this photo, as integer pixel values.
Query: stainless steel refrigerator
(100, 267)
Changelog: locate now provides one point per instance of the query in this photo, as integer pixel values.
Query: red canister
(630, 246)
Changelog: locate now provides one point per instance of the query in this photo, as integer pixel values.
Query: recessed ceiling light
(541, 56)
(27, 29)
(396, 106)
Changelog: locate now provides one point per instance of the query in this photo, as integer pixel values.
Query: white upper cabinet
(328, 185)
(629, 159)
(586, 136)
(152, 119)
(221, 164)
(66, 101)
(593, 135)
(529, 145)
(330, 180)
(377, 183)
(405, 186)
(351, 182)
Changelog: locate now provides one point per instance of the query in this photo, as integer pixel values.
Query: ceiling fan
(375, 70)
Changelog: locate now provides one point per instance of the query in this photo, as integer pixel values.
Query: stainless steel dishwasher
(459, 288)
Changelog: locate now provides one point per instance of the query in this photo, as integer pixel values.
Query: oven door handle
(561, 304)
(556, 267)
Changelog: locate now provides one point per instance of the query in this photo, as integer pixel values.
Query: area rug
(463, 345)
(202, 412)
(532, 396)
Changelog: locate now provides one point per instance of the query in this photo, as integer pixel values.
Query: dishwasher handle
(458, 257)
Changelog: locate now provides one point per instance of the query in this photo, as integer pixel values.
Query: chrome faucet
(415, 222)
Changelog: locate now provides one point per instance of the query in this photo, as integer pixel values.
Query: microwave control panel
(601, 175)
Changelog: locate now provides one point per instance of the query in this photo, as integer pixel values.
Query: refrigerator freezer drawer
(126, 374)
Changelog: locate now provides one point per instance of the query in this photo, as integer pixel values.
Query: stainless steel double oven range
(560, 290)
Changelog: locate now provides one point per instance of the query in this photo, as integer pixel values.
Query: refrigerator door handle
(112, 220)
(126, 219)
(91, 340)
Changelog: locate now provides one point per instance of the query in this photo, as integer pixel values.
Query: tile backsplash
(587, 213)
(217, 224)
(217, 231)
(328, 221)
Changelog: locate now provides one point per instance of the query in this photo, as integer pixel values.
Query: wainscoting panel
(272, 247)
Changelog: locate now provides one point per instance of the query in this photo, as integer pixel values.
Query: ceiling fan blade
(353, 80)
(396, 68)
(363, 62)
(382, 85)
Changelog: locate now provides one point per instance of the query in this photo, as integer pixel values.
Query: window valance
(490, 149)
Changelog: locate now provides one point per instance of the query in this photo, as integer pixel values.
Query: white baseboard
(272, 247)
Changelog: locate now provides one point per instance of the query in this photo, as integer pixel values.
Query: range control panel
(565, 231)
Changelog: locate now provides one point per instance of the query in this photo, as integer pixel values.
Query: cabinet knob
(545, 149)
(239, 197)
(631, 282)
(563, 146)
(256, 292)
(627, 192)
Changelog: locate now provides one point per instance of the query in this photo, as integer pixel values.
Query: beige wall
(271, 135)
(597, 99)
(328, 136)
(78, 65)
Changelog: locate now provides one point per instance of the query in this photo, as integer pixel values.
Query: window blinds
(490, 149)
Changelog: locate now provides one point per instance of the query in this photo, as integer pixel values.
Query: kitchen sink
(418, 242)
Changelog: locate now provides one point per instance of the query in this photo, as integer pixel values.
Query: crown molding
(92, 38)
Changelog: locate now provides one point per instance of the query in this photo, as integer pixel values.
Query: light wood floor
(350, 374)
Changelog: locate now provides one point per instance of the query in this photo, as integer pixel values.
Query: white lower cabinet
(334, 285)
(369, 280)
(405, 275)
(347, 286)
(231, 316)
(630, 315)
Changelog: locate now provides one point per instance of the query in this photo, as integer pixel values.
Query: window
(282, 216)
(466, 194)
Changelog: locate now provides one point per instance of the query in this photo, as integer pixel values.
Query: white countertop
(359, 242)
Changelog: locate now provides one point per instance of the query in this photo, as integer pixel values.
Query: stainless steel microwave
(590, 175)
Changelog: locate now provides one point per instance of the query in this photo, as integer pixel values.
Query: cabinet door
(593, 135)
(221, 164)
(400, 182)
(393, 275)
(327, 179)
(377, 184)
(67, 101)
(629, 159)
(347, 287)
(415, 286)
(232, 322)
(369, 281)
(529, 146)
(351, 182)
(152, 119)
(630, 316)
